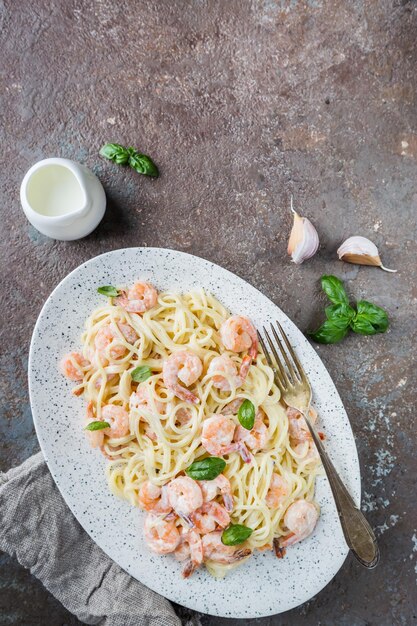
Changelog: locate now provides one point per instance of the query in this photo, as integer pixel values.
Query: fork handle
(357, 531)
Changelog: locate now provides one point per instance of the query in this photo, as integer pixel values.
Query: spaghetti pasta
(163, 434)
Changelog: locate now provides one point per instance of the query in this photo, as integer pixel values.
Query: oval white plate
(262, 586)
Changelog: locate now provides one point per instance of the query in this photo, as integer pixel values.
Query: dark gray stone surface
(241, 104)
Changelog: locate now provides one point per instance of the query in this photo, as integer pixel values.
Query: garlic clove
(361, 251)
(304, 240)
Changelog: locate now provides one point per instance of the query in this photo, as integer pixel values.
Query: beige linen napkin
(40, 531)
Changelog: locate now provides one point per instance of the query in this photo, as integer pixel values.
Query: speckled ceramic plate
(262, 586)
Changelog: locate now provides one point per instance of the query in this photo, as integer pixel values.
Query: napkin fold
(39, 530)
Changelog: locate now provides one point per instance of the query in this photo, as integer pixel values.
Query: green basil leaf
(141, 373)
(330, 332)
(334, 289)
(246, 414)
(206, 469)
(109, 291)
(97, 425)
(235, 534)
(340, 314)
(142, 164)
(115, 152)
(370, 319)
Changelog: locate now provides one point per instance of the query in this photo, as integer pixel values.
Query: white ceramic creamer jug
(62, 199)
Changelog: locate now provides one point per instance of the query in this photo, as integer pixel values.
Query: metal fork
(296, 392)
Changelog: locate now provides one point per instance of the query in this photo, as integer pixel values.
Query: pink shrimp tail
(244, 368)
(242, 449)
(185, 394)
(228, 502)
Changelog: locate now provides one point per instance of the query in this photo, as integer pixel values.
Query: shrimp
(233, 406)
(217, 437)
(186, 367)
(95, 437)
(118, 419)
(211, 488)
(297, 426)
(215, 550)
(141, 398)
(278, 489)
(161, 535)
(224, 364)
(183, 416)
(300, 519)
(139, 298)
(107, 334)
(190, 549)
(239, 334)
(153, 498)
(184, 496)
(72, 365)
(257, 438)
(209, 516)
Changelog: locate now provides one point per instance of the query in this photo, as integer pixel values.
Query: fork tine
(284, 354)
(300, 369)
(265, 351)
(271, 363)
(281, 370)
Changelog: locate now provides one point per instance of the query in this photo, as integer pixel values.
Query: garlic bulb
(304, 240)
(362, 251)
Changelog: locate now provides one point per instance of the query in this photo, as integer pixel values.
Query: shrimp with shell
(139, 298)
(215, 550)
(185, 497)
(238, 334)
(217, 437)
(184, 366)
(220, 365)
(190, 550)
(219, 485)
(300, 520)
(161, 535)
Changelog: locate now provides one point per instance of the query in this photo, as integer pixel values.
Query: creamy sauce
(54, 190)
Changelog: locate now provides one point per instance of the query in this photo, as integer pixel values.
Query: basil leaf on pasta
(236, 534)
(97, 425)
(141, 373)
(246, 414)
(109, 291)
(206, 469)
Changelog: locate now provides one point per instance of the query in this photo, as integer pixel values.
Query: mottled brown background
(241, 104)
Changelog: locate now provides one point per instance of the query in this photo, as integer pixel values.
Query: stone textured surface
(241, 104)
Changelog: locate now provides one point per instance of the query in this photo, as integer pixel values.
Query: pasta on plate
(184, 407)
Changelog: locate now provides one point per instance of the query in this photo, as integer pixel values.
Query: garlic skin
(304, 240)
(361, 251)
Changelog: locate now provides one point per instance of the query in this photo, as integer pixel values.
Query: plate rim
(43, 444)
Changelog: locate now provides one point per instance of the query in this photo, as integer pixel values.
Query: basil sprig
(370, 319)
(235, 534)
(108, 290)
(139, 162)
(141, 373)
(206, 469)
(97, 425)
(246, 414)
(365, 319)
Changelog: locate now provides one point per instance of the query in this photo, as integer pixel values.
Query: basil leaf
(109, 291)
(246, 414)
(206, 469)
(97, 425)
(141, 373)
(331, 331)
(235, 534)
(142, 164)
(370, 319)
(334, 289)
(340, 314)
(115, 152)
